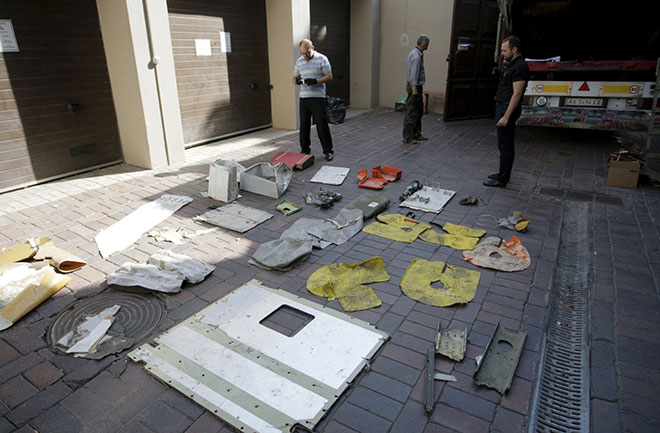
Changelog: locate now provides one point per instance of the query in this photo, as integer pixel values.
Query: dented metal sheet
(330, 175)
(89, 333)
(236, 217)
(127, 230)
(254, 377)
(428, 199)
(500, 360)
(451, 343)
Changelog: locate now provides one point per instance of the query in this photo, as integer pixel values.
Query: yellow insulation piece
(396, 227)
(459, 284)
(449, 240)
(458, 237)
(458, 230)
(344, 282)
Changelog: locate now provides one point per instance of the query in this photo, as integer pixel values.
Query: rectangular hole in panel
(287, 320)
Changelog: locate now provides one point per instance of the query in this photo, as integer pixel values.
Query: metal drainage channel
(561, 401)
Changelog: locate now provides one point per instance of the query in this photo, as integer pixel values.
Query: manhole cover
(139, 316)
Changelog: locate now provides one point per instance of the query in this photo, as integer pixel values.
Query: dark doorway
(471, 81)
(331, 34)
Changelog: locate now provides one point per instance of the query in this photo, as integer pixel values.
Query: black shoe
(329, 156)
(495, 176)
(495, 182)
(306, 152)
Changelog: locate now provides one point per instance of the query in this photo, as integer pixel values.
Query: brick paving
(49, 392)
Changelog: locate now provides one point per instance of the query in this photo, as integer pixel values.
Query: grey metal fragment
(281, 254)
(445, 377)
(235, 216)
(451, 343)
(500, 359)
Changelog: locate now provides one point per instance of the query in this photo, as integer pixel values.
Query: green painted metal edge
(280, 420)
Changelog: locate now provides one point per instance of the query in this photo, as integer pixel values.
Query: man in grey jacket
(416, 78)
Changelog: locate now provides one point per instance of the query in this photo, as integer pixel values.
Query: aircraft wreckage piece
(451, 343)
(254, 377)
(500, 360)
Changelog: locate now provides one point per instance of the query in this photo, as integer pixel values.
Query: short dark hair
(514, 41)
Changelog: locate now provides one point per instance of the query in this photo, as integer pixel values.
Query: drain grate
(561, 402)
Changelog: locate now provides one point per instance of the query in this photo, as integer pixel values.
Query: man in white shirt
(311, 72)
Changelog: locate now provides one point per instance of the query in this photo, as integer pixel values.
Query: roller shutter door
(331, 34)
(56, 110)
(226, 92)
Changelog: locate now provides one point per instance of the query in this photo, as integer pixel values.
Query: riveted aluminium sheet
(254, 377)
(428, 199)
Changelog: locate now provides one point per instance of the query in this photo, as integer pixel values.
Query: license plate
(584, 102)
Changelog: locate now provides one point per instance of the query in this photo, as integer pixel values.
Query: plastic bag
(336, 110)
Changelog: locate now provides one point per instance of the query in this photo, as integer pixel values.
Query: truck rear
(591, 66)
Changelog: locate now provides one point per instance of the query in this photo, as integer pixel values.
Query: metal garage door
(56, 110)
(227, 91)
(331, 34)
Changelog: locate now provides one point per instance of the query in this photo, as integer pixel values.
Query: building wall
(225, 92)
(401, 23)
(56, 109)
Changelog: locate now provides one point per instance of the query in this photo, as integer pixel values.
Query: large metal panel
(331, 34)
(57, 115)
(226, 92)
(256, 378)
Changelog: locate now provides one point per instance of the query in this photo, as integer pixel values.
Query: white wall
(365, 53)
(401, 23)
(288, 22)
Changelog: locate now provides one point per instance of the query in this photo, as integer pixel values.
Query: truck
(593, 64)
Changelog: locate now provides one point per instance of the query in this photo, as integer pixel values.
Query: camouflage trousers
(412, 123)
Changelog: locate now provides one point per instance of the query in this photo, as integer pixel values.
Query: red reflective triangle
(584, 87)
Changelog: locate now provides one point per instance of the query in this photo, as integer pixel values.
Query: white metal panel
(235, 216)
(256, 380)
(428, 199)
(205, 392)
(330, 175)
(326, 349)
(254, 377)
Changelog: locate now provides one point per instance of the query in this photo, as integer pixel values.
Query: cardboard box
(623, 173)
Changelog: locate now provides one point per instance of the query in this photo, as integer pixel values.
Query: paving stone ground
(47, 391)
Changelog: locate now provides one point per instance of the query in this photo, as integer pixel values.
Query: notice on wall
(225, 42)
(8, 42)
(203, 47)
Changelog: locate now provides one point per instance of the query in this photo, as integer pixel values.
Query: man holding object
(311, 72)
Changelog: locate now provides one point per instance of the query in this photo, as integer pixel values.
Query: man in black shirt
(508, 97)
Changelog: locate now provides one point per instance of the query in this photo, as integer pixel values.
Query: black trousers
(505, 140)
(318, 109)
